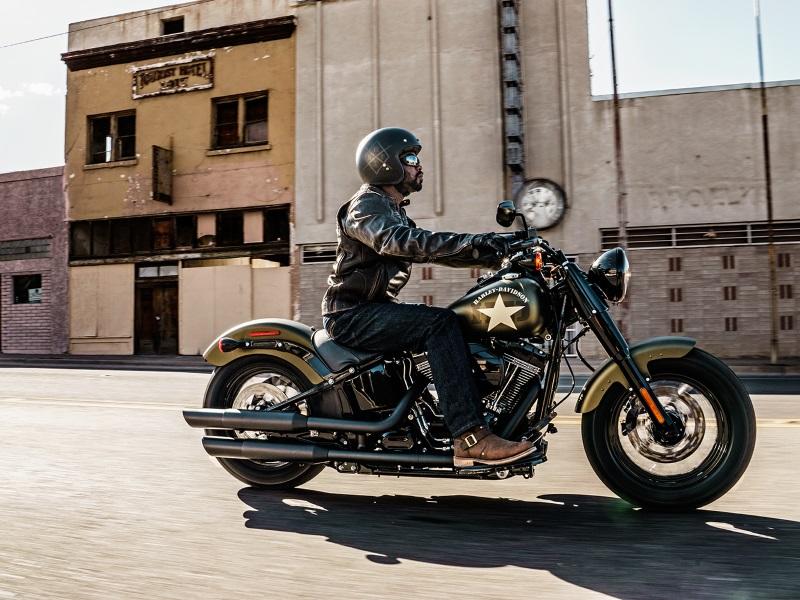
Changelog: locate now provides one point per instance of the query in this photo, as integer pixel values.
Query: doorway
(156, 319)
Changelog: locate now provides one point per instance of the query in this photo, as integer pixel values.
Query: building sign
(184, 75)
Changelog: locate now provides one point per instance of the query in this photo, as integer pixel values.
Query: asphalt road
(106, 493)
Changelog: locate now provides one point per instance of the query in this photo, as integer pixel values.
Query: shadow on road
(598, 543)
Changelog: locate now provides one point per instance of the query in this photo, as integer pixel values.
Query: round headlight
(610, 272)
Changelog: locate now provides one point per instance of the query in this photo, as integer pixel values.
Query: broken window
(163, 234)
(276, 224)
(240, 120)
(185, 231)
(27, 289)
(81, 239)
(230, 228)
(112, 137)
(173, 25)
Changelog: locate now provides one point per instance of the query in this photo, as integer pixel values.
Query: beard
(410, 185)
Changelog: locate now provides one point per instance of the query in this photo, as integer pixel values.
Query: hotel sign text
(184, 75)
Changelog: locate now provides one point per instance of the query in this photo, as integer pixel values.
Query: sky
(661, 44)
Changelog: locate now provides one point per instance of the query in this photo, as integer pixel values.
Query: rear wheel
(708, 460)
(258, 383)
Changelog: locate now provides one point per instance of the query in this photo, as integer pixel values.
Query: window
(785, 291)
(427, 300)
(230, 228)
(728, 262)
(784, 260)
(675, 263)
(112, 137)
(27, 289)
(157, 270)
(729, 292)
(787, 322)
(676, 325)
(276, 224)
(240, 120)
(676, 294)
(163, 234)
(170, 26)
(427, 273)
(185, 231)
(731, 324)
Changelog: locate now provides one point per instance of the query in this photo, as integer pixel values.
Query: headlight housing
(611, 272)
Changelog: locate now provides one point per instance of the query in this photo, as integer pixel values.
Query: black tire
(225, 385)
(635, 467)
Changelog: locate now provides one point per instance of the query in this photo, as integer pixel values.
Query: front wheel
(720, 433)
(258, 383)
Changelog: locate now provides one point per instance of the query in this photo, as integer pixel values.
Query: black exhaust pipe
(258, 450)
(256, 420)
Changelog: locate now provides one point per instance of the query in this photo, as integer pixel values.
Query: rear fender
(643, 353)
(296, 347)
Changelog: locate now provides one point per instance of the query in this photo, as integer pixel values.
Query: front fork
(667, 427)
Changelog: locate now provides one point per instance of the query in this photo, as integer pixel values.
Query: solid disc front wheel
(258, 383)
(634, 462)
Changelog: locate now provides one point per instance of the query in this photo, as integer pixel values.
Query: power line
(139, 16)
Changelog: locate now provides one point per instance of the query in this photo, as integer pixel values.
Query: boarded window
(81, 239)
(163, 234)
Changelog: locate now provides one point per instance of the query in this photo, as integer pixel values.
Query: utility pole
(622, 192)
(773, 272)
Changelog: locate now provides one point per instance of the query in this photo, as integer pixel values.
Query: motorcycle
(665, 425)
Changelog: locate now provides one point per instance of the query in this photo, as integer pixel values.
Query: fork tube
(614, 343)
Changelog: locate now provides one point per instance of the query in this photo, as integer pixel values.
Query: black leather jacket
(377, 243)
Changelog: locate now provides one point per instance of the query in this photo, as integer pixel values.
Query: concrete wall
(101, 309)
(212, 299)
(144, 24)
(32, 204)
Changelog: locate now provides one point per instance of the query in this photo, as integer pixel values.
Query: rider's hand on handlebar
(493, 242)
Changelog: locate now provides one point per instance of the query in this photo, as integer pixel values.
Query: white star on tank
(500, 314)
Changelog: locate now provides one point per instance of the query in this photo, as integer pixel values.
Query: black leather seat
(338, 357)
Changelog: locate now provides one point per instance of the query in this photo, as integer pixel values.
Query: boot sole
(471, 462)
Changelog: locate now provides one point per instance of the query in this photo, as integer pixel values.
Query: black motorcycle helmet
(378, 155)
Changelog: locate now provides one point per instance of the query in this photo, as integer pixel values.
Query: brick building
(33, 262)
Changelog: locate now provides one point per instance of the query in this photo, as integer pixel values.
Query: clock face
(542, 202)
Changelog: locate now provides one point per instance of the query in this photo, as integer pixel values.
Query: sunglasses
(412, 160)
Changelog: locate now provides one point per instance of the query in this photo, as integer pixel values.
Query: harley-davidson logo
(500, 314)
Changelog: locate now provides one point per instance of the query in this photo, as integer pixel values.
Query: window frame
(116, 146)
(241, 120)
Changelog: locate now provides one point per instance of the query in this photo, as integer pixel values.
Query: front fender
(297, 348)
(609, 374)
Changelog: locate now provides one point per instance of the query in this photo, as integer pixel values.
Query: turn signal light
(228, 344)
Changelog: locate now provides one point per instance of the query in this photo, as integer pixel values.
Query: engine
(503, 374)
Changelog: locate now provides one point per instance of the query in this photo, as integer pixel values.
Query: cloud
(35, 88)
(41, 88)
(6, 94)
(4, 108)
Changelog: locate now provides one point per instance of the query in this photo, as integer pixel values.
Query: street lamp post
(773, 273)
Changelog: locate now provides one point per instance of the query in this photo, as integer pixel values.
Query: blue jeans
(389, 327)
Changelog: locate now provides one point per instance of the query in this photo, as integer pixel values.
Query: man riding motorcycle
(377, 244)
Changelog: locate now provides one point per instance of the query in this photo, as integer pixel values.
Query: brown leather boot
(480, 446)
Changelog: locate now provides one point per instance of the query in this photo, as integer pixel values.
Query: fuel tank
(504, 308)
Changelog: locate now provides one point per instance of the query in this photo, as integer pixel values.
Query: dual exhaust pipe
(291, 422)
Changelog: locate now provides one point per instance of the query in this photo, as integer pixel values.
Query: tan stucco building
(179, 174)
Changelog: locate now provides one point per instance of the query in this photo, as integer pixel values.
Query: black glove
(492, 242)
